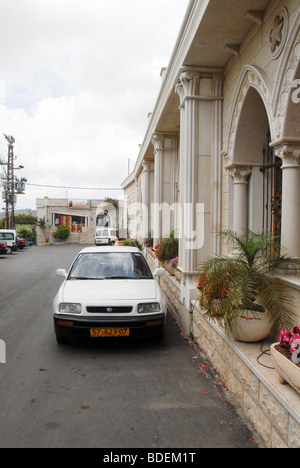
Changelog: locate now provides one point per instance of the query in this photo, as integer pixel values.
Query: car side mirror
(62, 273)
(159, 272)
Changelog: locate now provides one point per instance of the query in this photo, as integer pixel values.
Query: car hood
(95, 292)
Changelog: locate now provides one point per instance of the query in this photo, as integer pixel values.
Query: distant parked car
(3, 248)
(21, 243)
(9, 236)
(105, 236)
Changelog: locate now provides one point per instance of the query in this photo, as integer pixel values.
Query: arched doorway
(257, 175)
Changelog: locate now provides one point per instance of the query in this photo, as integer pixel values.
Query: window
(75, 223)
(109, 265)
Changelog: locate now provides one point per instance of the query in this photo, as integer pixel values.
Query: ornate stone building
(222, 148)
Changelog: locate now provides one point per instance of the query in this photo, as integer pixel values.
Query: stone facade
(222, 151)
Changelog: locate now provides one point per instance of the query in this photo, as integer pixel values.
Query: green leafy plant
(167, 249)
(62, 233)
(132, 243)
(248, 281)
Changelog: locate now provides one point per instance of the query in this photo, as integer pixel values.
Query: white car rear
(105, 236)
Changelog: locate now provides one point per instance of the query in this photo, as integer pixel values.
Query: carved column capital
(146, 165)
(240, 174)
(188, 85)
(165, 141)
(157, 141)
(289, 154)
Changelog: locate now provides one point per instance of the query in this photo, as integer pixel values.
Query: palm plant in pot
(254, 300)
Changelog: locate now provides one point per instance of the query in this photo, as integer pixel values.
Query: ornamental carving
(188, 85)
(286, 86)
(289, 154)
(278, 33)
(241, 174)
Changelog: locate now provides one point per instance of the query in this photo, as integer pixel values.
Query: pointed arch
(252, 78)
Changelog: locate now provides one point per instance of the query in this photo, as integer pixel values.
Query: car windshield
(110, 265)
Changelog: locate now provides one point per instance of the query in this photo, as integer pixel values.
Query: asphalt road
(105, 394)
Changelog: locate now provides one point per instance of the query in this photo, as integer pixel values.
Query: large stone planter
(253, 326)
(288, 371)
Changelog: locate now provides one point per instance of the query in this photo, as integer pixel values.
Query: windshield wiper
(85, 278)
(118, 277)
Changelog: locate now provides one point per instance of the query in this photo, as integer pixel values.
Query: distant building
(81, 216)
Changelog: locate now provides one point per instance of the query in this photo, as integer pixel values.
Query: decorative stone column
(188, 89)
(157, 141)
(165, 162)
(145, 198)
(240, 199)
(290, 230)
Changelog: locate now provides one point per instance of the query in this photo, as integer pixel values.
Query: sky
(77, 81)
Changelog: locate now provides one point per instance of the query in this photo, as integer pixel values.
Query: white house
(222, 151)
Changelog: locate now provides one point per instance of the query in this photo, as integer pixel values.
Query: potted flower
(174, 263)
(149, 242)
(286, 357)
(254, 300)
(167, 249)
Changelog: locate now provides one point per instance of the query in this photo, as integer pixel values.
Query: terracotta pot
(287, 370)
(253, 326)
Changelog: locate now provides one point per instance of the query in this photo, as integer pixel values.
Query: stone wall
(274, 410)
(171, 287)
(45, 237)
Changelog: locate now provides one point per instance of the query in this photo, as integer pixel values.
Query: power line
(75, 188)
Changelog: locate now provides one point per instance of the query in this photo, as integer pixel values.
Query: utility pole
(10, 200)
(11, 184)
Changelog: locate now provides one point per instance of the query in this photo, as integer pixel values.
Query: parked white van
(9, 236)
(105, 236)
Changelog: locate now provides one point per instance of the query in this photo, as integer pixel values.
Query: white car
(9, 237)
(109, 292)
(105, 236)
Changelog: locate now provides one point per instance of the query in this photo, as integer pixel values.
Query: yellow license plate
(95, 332)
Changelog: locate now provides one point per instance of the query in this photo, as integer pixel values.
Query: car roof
(113, 249)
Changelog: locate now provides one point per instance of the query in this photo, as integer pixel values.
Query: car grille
(109, 310)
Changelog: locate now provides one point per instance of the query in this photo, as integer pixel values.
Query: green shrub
(167, 249)
(133, 243)
(62, 233)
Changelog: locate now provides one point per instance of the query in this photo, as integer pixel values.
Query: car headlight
(69, 308)
(149, 308)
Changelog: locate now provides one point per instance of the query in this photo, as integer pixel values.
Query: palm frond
(248, 282)
(278, 301)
